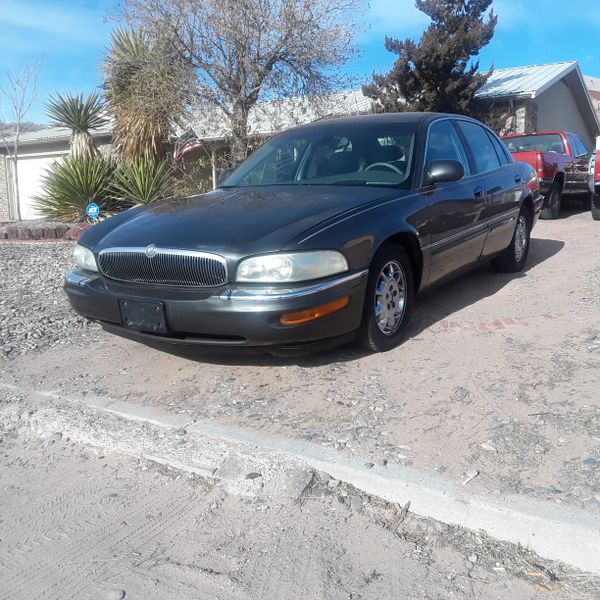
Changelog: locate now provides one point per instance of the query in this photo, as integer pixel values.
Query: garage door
(31, 170)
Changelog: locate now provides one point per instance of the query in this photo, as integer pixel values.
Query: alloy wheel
(390, 297)
(521, 238)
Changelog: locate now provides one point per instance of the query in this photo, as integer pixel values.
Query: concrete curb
(553, 531)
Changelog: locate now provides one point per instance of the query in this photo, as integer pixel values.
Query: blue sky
(72, 35)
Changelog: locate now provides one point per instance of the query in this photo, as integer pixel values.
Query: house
(542, 97)
(530, 98)
(37, 151)
(206, 135)
(593, 88)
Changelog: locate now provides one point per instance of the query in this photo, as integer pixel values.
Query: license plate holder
(148, 317)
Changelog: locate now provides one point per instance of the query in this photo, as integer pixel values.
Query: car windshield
(358, 154)
(547, 142)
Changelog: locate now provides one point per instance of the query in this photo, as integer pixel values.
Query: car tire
(596, 207)
(514, 257)
(388, 300)
(552, 202)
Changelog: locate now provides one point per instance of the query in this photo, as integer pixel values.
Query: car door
(581, 160)
(455, 209)
(501, 180)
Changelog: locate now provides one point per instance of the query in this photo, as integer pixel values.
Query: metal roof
(267, 118)
(528, 81)
(55, 134)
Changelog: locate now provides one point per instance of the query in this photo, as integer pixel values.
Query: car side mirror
(223, 175)
(442, 171)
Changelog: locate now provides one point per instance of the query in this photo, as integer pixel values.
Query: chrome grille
(163, 266)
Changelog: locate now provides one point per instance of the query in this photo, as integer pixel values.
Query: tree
(80, 116)
(147, 86)
(245, 51)
(20, 92)
(439, 73)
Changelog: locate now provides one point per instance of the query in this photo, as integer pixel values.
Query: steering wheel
(386, 165)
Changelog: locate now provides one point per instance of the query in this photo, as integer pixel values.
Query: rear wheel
(514, 257)
(388, 300)
(596, 207)
(552, 202)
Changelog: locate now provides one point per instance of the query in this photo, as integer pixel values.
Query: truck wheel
(596, 207)
(552, 202)
(388, 300)
(514, 257)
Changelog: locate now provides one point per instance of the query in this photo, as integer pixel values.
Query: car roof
(390, 117)
(555, 132)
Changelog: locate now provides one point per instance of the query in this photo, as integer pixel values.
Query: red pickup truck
(594, 179)
(560, 160)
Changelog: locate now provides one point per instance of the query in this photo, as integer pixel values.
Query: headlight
(84, 258)
(296, 266)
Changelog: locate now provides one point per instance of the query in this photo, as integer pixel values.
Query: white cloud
(395, 18)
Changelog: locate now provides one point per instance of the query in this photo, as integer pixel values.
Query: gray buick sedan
(322, 236)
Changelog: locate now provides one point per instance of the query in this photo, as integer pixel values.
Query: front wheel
(552, 203)
(388, 300)
(596, 207)
(514, 257)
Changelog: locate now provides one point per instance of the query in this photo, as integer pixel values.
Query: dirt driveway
(499, 376)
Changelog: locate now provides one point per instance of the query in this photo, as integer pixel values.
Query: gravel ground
(34, 312)
(504, 369)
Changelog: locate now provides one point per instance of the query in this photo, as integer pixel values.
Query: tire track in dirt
(43, 566)
(70, 585)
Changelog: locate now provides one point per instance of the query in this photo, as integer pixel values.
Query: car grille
(163, 266)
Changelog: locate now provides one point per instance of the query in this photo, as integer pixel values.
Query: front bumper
(229, 316)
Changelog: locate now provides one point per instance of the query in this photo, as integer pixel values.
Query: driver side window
(445, 144)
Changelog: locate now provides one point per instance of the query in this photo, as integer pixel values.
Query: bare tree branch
(19, 92)
(247, 51)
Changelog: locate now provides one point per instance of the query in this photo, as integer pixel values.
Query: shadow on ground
(432, 306)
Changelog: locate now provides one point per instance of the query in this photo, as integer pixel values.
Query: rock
(591, 503)
(253, 475)
(114, 595)
(369, 465)
(356, 503)
(473, 558)
(333, 483)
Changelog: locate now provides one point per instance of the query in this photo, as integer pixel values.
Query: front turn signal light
(311, 314)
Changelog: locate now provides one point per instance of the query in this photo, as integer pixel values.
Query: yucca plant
(73, 183)
(146, 87)
(144, 181)
(81, 115)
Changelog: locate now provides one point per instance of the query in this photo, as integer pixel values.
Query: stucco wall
(4, 212)
(557, 109)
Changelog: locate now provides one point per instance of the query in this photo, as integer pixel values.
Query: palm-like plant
(144, 181)
(145, 85)
(71, 184)
(81, 115)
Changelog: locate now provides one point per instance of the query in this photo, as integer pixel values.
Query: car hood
(231, 220)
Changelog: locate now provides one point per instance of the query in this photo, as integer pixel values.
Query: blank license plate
(143, 316)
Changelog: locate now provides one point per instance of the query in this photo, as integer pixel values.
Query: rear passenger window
(444, 143)
(500, 149)
(580, 146)
(485, 156)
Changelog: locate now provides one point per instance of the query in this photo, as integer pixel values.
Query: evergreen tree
(438, 74)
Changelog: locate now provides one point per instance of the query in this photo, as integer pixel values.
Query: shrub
(144, 181)
(71, 184)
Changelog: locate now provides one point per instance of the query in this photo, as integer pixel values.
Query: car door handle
(518, 179)
(478, 193)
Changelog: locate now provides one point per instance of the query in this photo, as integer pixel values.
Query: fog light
(310, 314)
